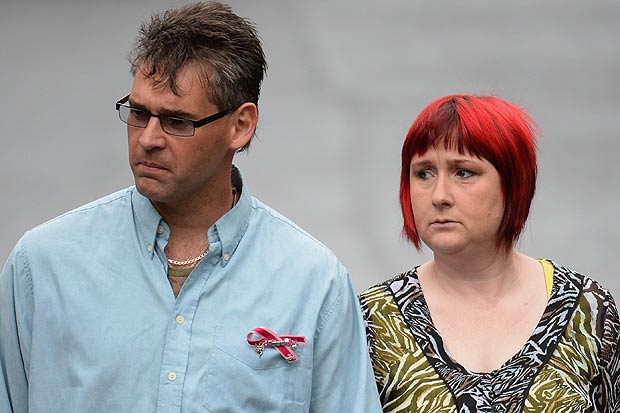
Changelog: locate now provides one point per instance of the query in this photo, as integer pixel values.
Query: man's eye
(139, 115)
(178, 126)
(178, 123)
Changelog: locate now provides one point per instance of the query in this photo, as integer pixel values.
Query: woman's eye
(464, 173)
(424, 174)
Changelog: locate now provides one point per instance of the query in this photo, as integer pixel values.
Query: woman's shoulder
(594, 304)
(586, 285)
(393, 284)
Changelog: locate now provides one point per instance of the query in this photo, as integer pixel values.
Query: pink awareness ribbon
(285, 344)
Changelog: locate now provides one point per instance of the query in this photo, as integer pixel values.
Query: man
(183, 293)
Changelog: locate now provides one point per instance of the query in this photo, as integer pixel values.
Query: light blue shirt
(89, 322)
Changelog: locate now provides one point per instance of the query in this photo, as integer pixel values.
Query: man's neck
(190, 217)
(189, 223)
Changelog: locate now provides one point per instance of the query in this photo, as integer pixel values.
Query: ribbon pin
(285, 344)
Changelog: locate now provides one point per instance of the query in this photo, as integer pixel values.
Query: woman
(482, 327)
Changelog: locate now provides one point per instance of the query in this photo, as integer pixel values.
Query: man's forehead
(185, 82)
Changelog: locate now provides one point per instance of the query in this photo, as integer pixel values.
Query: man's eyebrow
(165, 112)
(176, 113)
(134, 104)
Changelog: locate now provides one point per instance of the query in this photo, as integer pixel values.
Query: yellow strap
(548, 269)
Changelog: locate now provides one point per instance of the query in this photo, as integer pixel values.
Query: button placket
(178, 338)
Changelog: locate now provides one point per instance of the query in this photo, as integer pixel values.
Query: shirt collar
(232, 225)
(228, 229)
(147, 221)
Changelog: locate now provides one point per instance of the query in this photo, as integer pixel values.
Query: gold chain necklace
(191, 262)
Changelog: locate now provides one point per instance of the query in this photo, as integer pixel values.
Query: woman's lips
(443, 222)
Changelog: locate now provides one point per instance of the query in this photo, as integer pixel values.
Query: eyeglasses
(172, 125)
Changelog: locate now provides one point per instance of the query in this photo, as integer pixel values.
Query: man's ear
(243, 124)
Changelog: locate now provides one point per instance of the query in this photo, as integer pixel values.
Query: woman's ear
(243, 125)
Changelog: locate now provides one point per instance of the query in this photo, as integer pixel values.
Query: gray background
(346, 79)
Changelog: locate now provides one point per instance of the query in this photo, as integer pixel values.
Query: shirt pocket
(238, 380)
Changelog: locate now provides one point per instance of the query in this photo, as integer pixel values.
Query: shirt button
(226, 257)
(172, 376)
(149, 248)
(160, 229)
(180, 319)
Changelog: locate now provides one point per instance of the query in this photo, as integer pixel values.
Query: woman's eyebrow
(422, 162)
(463, 161)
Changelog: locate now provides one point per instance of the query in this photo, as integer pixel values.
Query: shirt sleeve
(342, 376)
(15, 301)
(610, 359)
(366, 302)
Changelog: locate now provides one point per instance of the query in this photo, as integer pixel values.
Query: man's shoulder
(287, 233)
(87, 216)
(266, 215)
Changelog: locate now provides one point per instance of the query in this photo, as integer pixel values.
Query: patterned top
(571, 363)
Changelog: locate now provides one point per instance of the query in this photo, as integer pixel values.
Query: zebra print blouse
(571, 363)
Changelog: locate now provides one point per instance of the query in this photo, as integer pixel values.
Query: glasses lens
(123, 113)
(177, 126)
(137, 117)
(134, 117)
(140, 119)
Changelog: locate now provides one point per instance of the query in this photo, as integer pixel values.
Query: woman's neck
(487, 278)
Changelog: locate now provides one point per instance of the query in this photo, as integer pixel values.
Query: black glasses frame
(196, 123)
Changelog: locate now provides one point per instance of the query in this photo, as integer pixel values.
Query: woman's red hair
(486, 127)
